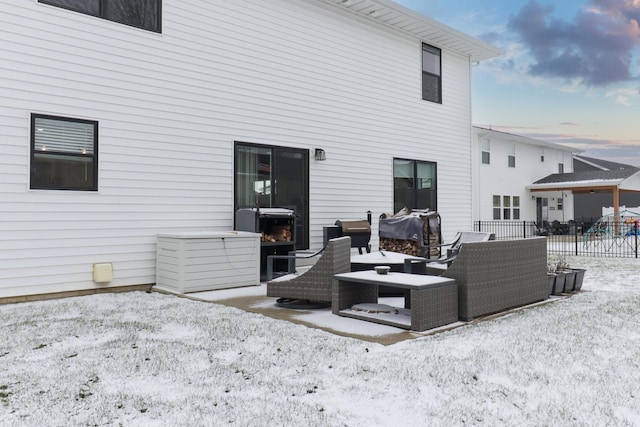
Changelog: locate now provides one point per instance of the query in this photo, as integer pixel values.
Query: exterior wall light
(320, 155)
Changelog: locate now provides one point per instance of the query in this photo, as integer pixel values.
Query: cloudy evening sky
(569, 74)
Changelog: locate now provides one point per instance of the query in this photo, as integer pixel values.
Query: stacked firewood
(411, 247)
(278, 233)
(408, 247)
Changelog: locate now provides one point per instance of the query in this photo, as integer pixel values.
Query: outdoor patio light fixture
(320, 154)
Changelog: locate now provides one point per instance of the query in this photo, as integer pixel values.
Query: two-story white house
(122, 119)
(505, 165)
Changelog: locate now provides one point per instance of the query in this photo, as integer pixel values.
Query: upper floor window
(64, 153)
(414, 185)
(143, 14)
(486, 153)
(431, 75)
(511, 158)
(542, 154)
(560, 162)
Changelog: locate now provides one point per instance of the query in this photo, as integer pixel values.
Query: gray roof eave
(623, 179)
(401, 18)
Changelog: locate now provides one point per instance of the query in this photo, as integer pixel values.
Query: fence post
(575, 234)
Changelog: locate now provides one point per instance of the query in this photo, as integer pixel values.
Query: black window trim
(439, 76)
(415, 173)
(101, 14)
(32, 150)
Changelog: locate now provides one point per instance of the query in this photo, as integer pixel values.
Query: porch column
(616, 209)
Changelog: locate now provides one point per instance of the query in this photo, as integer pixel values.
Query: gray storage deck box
(203, 261)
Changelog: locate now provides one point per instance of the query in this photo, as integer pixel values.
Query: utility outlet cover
(102, 273)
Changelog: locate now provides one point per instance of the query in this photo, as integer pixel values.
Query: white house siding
(497, 178)
(170, 106)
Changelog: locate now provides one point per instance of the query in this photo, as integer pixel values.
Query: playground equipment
(611, 229)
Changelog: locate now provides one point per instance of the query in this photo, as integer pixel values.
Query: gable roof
(523, 139)
(624, 179)
(420, 26)
(604, 165)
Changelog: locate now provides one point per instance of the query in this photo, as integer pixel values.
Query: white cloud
(623, 100)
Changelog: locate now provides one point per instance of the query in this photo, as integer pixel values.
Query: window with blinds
(145, 14)
(63, 153)
(431, 74)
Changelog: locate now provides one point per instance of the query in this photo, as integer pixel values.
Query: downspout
(475, 172)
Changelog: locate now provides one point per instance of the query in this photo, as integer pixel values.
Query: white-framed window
(511, 158)
(506, 207)
(560, 203)
(560, 162)
(485, 146)
(542, 154)
(516, 207)
(431, 73)
(64, 153)
(496, 207)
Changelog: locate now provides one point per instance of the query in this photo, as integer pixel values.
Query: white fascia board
(484, 132)
(408, 21)
(592, 183)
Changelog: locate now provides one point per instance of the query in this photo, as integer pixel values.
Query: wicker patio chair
(314, 284)
(460, 238)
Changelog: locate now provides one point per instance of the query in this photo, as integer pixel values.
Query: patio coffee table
(433, 300)
(395, 260)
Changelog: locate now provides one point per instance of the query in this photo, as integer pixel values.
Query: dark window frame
(33, 181)
(415, 189)
(102, 10)
(485, 150)
(429, 75)
(273, 153)
(511, 156)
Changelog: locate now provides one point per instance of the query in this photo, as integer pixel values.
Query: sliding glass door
(274, 177)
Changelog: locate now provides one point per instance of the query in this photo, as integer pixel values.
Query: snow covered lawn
(141, 359)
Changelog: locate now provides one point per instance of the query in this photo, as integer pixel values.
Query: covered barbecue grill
(359, 231)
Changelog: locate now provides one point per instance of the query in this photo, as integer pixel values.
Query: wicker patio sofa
(498, 275)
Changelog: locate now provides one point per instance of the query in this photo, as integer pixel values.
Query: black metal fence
(600, 239)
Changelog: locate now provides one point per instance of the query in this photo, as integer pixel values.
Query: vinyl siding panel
(170, 106)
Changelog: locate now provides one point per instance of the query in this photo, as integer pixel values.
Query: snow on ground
(141, 359)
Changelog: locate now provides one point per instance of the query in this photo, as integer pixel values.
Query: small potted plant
(565, 276)
(551, 277)
(579, 278)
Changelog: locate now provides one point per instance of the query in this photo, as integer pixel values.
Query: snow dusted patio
(139, 359)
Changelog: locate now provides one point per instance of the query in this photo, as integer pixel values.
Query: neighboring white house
(123, 119)
(505, 164)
